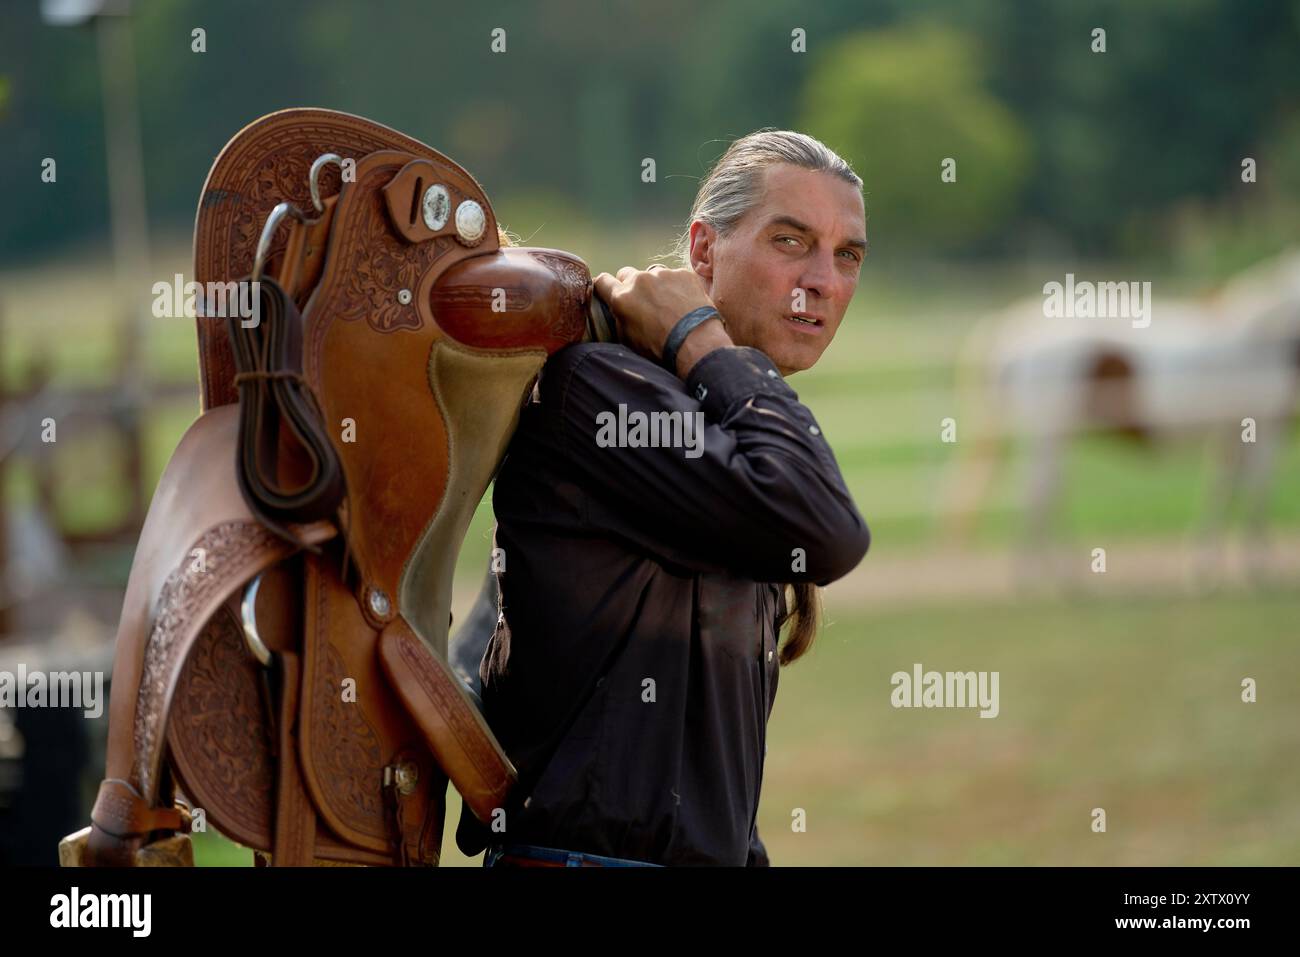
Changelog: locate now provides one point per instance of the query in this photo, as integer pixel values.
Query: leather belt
(528, 855)
(288, 470)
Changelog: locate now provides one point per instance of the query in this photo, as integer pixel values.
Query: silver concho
(379, 603)
(471, 221)
(436, 206)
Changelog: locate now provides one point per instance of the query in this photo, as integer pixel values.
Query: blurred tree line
(1052, 141)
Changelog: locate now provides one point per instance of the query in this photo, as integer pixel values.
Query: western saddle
(281, 654)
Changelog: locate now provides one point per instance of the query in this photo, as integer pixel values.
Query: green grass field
(1133, 706)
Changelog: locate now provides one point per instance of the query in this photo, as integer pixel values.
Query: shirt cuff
(732, 374)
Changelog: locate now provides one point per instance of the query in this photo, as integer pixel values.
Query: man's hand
(647, 304)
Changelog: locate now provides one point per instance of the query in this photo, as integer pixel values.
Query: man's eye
(852, 255)
(782, 239)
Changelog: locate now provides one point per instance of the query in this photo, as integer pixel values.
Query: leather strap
(454, 730)
(121, 811)
(304, 254)
(279, 414)
(685, 326)
(295, 818)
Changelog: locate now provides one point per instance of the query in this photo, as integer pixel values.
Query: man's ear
(703, 240)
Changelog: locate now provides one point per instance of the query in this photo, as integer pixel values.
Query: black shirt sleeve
(757, 492)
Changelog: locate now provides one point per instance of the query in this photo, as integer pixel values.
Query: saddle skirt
(285, 669)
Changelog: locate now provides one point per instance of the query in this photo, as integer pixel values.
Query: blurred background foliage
(1092, 153)
(918, 94)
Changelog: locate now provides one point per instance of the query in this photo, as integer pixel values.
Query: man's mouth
(805, 323)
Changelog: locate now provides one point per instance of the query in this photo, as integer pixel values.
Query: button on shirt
(633, 670)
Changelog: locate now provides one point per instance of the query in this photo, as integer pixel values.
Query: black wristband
(683, 329)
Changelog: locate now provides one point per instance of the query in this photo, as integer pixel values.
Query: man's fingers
(606, 285)
(626, 273)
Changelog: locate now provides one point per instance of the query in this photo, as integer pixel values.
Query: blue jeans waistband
(555, 855)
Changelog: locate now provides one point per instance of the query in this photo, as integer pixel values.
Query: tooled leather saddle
(281, 654)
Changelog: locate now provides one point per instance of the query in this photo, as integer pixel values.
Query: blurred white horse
(1224, 368)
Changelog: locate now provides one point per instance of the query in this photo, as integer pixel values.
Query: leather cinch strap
(278, 414)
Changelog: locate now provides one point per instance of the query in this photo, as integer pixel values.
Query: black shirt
(634, 667)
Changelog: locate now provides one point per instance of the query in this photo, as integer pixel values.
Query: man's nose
(818, 278)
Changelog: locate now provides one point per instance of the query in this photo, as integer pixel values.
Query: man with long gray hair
(658, 499)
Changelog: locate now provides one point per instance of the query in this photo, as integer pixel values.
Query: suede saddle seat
(289, 679)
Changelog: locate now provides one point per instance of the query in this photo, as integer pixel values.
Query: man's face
(807, 233)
